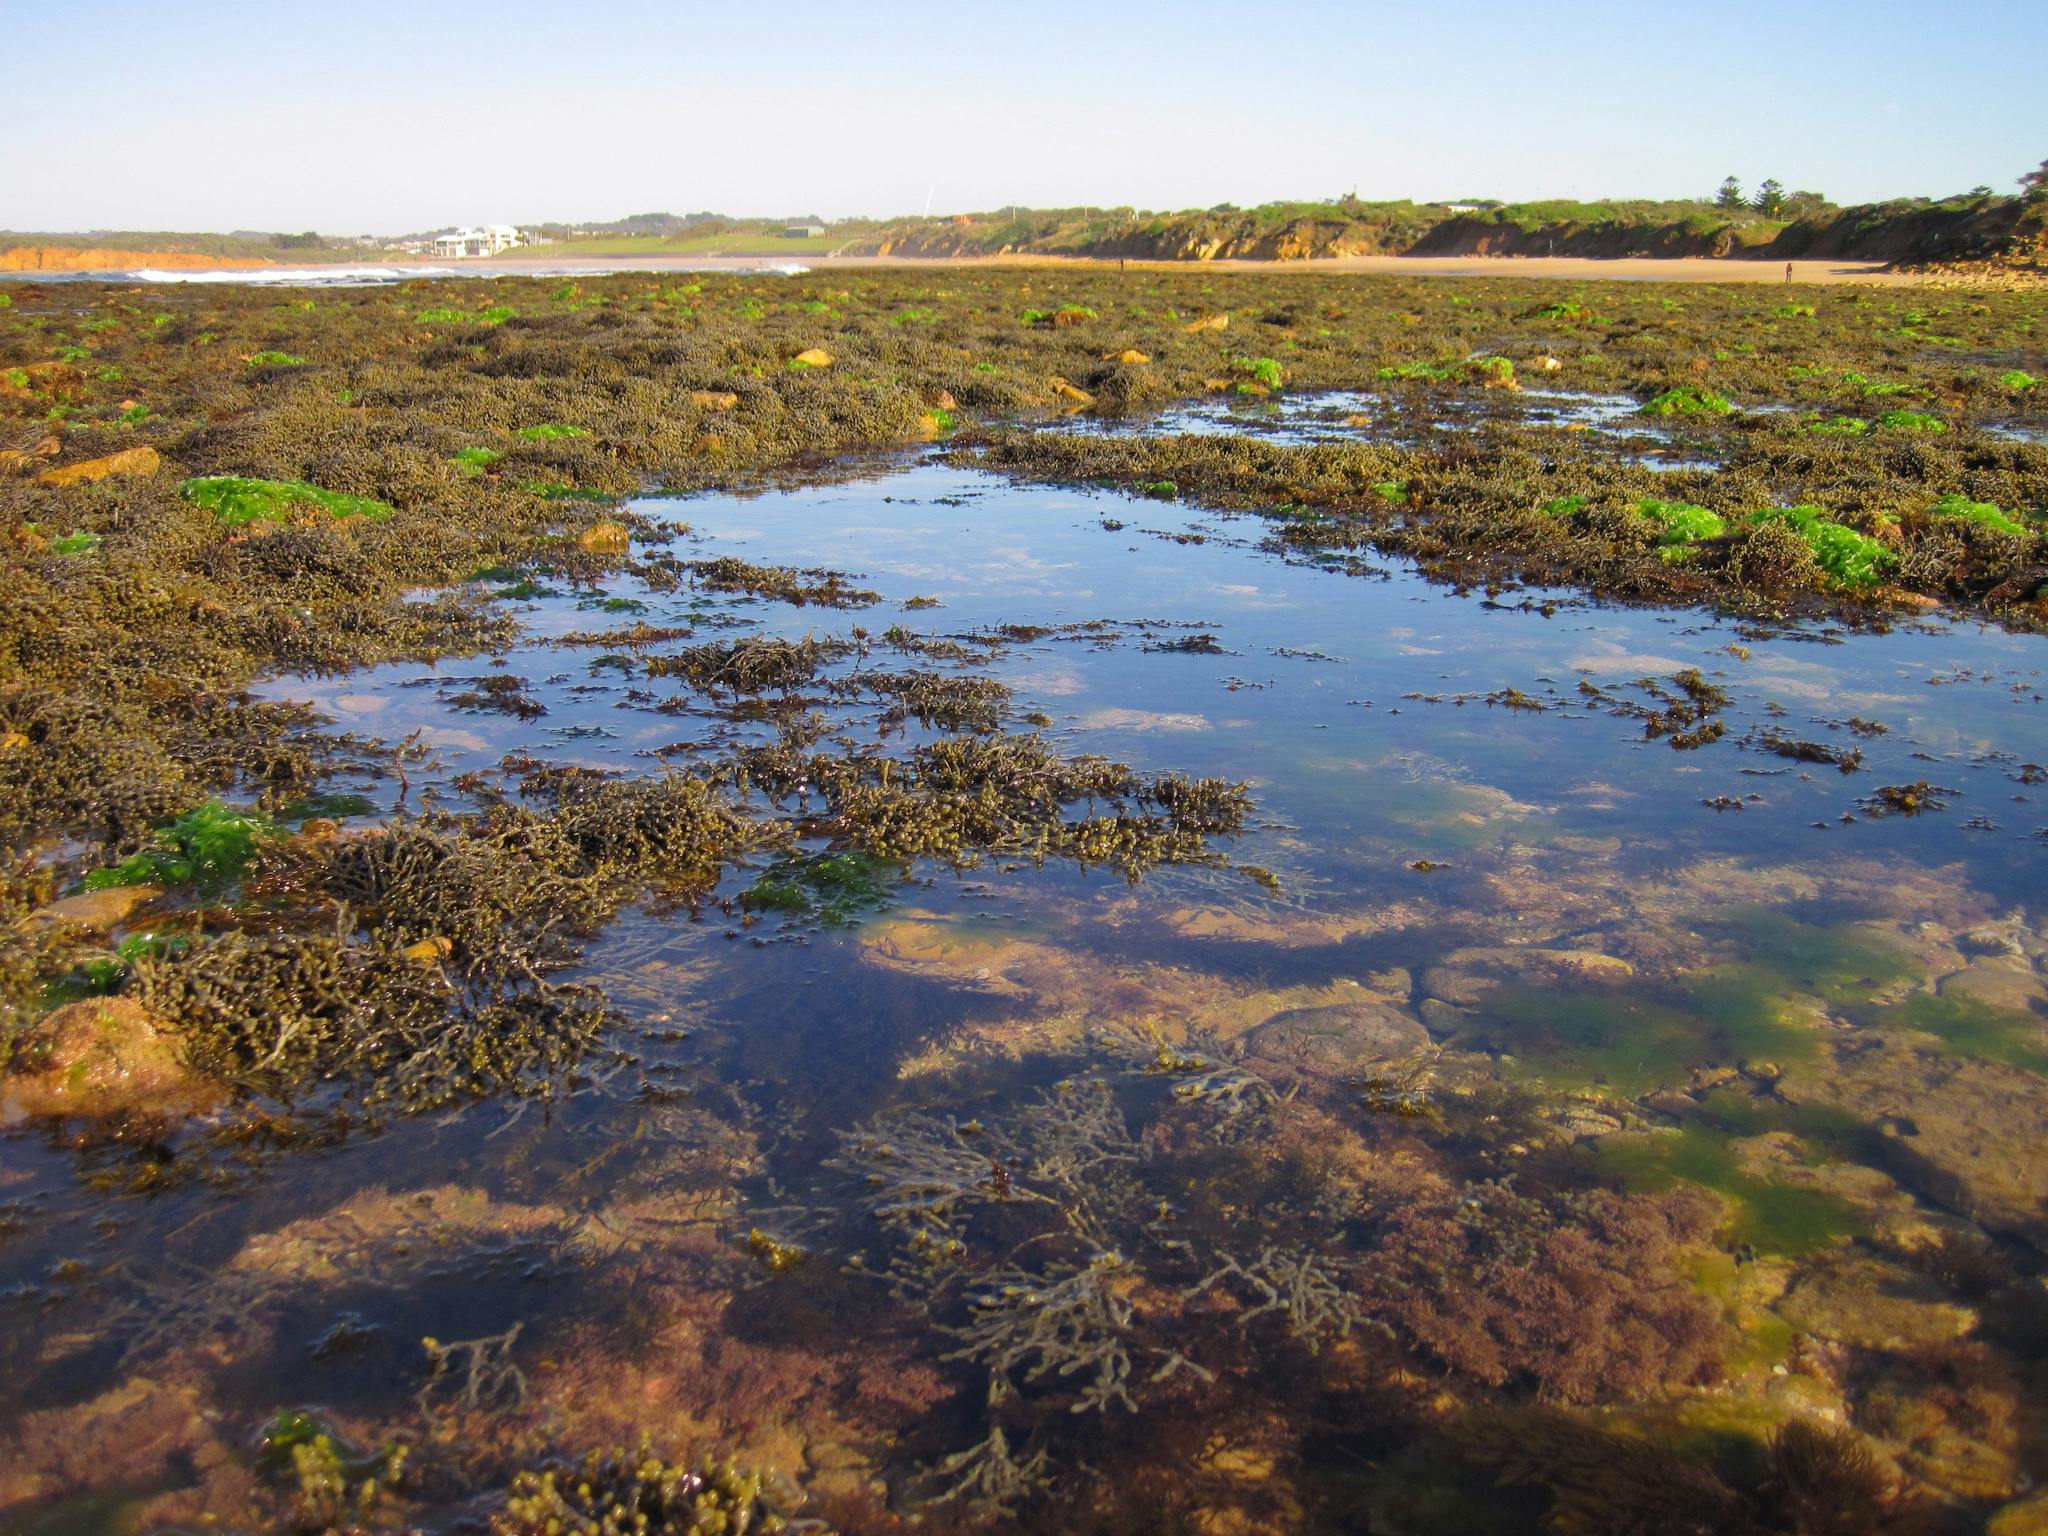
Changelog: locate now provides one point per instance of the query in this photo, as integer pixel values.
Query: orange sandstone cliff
(59, 258)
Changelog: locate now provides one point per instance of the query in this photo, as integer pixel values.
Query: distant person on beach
(1788, 271)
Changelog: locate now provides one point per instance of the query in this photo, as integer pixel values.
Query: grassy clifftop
(1907, 230)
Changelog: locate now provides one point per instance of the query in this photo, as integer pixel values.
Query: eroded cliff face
(1180, 240)
(2002, 230)
(64, 258)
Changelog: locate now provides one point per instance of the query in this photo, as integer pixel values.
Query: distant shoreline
(1691, 269)
(1673, 269)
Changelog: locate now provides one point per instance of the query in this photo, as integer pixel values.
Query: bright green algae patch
(1911, 421)
(1628, 1044)
(1984, 512)
(1688, 400)
(1683, 524)
(1851, 559)
(1968, 1027)
(236, 499)
(1764, 1213)
(211, 844)
(835, 889)
(551, 431)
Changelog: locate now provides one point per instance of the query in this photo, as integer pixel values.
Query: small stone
(714, 400)
(1208, 323)
(1130, 356)
(814, 357)
(430, 951)
(96, 911)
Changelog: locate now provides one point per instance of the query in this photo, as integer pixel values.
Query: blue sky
(372, 116)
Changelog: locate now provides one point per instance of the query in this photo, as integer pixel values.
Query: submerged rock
(1955, 1128)
(1864, 1301)
(1336, 1041)
(101, 1057)
(1465, 976)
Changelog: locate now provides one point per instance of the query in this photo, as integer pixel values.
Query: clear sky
(372, 116)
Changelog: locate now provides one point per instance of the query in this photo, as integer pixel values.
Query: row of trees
(1771, 199)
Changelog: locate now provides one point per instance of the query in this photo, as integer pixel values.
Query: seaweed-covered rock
(1465, 976)
(101, 1057)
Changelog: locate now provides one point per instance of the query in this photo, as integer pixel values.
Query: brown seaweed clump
(1578, 1300)
(1806, 1480)
(961, 797)
(294, 1009)
(612, 1493)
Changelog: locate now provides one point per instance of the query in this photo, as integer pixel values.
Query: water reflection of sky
(1311, 694)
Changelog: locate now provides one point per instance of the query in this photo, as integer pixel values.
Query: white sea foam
(283, 277)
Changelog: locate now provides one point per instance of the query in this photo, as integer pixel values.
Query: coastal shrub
(210, 843)
(1688, 400)
(237, 499)
(1849, 558)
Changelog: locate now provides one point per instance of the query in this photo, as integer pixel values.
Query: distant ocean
(371, 277)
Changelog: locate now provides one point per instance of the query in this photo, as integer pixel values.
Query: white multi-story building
(488, 241)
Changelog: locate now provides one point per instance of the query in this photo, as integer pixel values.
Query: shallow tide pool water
(1220, 1196)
